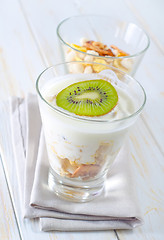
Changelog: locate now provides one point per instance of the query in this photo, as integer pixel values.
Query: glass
(82, 149)
(107, 30)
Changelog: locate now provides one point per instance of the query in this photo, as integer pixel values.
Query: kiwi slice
(88, 98)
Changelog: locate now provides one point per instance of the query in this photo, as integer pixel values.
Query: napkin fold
(115, 208)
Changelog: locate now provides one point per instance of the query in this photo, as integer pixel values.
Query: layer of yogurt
(124, 108)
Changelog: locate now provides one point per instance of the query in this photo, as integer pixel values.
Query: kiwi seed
(88, 98)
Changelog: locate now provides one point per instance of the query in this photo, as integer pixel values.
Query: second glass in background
(107, 30)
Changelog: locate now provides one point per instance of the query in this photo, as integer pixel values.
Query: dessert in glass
(102, 39)
(85, 118)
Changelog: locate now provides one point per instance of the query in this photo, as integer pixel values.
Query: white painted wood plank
(148, 173)
(151, 71)
(150, 15)
(29, 228)
(43, 18)
(50, 61)
(8, 224)
(150, 75)
(20, 64)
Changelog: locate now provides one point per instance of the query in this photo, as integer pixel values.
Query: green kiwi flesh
(88, 98)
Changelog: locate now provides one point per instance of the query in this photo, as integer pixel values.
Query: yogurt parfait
(85, 118)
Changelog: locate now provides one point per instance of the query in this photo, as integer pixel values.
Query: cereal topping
(94, 51)
(98, 47)
(120, 53)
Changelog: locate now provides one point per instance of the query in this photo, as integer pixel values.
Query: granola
(94, 51)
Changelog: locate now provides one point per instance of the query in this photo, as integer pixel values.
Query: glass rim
(84, 118)
(93, 55)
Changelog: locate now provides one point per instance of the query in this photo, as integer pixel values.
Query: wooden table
(28, 44)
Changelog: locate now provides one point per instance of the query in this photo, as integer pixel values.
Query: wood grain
(20, 67)
(8, 223)
(20, 61)
(150, 15)
(148, 175)
(28, 44)
(150, 77)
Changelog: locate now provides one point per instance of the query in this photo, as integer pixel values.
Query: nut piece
(86, 171)
(76, 68)
(120, 53)
(88, 70)
(70, 56)
(98, 47)
(92, 52)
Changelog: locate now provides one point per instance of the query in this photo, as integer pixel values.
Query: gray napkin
(116, 208)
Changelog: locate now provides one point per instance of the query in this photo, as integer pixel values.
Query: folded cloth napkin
(116, 208)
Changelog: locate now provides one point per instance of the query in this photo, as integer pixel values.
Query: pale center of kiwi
(88, 95)
(88, 98)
